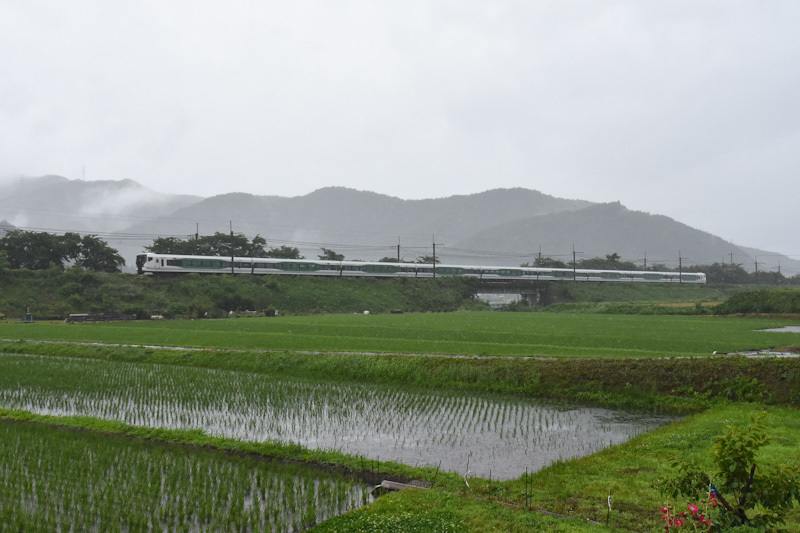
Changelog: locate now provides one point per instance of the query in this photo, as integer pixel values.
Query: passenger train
(161, 264)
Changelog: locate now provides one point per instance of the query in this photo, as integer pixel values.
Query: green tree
(284, 252)
(740, 492)
(33, 250)
(39, 250)
(95, 254)
(3, 262)
(330, 255)
(546, 262)
(219, 244)
(610, 262)
(428, 259)
(725, 273)
(769, 278)
(171, 245)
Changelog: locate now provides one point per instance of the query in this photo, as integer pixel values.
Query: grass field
(462, 333)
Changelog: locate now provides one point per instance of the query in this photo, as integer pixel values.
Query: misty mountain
(601, 229)
(362, 225)
(55, 203)
(496, 227)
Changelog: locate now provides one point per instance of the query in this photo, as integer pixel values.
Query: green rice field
(489, 436)
(463, 333)
(55, 479)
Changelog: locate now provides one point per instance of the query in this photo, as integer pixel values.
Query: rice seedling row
(488, 436)
(63, 480)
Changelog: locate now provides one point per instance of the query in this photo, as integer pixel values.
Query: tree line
(222, 245)
(34, 250)
(717, 273)
(40, 250)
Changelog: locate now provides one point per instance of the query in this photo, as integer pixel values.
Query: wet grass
(462, 333)
(441, 512)
(632, 473)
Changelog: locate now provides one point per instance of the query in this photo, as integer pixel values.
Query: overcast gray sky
(689, 109)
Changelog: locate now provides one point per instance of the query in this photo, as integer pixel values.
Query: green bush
(737, 493)
(772, 301)
(53, 293)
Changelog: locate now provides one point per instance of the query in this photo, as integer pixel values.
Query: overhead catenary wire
(418, 250)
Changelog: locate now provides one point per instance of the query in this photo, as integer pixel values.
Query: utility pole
(645, 259)
(433, 237)
(398, 249)
(756, 258)
(731, 254)
(197, 231)
(232, 250)
(574, 265)
(680, 268)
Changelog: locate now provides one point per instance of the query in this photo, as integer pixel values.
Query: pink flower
(693, 508)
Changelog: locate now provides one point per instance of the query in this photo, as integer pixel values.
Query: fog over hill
(362, 225)
(496, 227)
(57, 203)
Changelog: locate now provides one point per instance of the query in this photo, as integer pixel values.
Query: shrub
(737, 492)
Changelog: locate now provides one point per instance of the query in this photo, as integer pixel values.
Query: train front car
(144, 263)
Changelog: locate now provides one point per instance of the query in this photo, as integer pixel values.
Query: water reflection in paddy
(497, 436)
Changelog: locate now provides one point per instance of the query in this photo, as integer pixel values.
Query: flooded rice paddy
(484, 436)
(64, 480)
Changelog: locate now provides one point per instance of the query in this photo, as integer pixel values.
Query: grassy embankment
(52, 294)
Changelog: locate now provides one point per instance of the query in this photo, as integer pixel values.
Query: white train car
(169, 264)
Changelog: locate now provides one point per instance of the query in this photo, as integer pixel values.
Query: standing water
(466, 433)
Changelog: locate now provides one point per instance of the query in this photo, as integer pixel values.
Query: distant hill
(496, 227)
(105, 208)
(601, 229)
(58, 203)
(364, 225)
